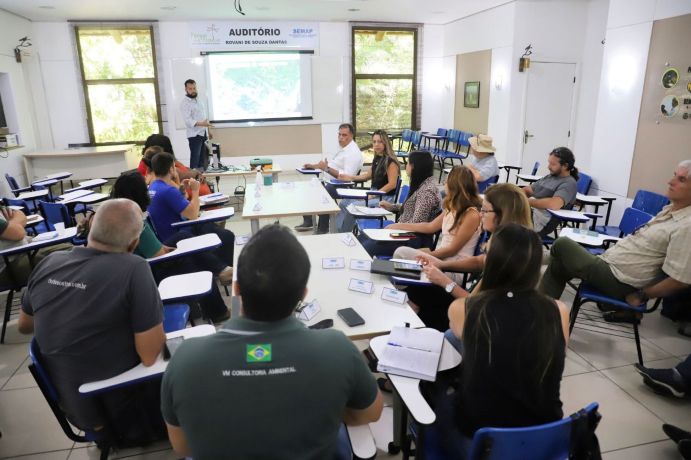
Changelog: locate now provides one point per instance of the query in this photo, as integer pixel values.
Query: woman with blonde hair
(503, 204)
(384, 174)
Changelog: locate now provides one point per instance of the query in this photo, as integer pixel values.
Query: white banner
(254, 36)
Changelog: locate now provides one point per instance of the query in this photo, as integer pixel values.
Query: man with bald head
(95, 312)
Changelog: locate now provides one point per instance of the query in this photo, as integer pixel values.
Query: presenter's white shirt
(193, 111)
(348, 160)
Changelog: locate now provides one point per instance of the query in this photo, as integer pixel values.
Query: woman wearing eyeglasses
(384, 174)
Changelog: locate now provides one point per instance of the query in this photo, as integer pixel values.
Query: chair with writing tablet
(14, 186)
(482, 186)
(45, 384)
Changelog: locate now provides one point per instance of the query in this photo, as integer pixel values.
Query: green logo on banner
(259, 353)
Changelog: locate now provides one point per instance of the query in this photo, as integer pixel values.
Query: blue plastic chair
(363, 223)
(548, 441)
(482, 186)
(584, 182)
(402, 152)
(175, 316)
(55, 213)
(649, 202)
(14, 186)
(586, 293)
(50, 394)
(536, 166)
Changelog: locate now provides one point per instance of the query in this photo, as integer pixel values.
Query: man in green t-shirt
(265, 386)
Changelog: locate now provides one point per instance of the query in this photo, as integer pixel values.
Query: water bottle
(259, 181)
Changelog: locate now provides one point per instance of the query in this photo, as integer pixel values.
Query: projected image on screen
(259, 86)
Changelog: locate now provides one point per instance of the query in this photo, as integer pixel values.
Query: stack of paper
(412, 353)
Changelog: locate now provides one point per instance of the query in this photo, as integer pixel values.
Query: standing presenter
(196, 124)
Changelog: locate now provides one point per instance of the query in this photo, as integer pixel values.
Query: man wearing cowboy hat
(481, 159)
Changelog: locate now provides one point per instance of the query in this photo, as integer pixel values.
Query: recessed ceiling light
(353, 9)
(168, 8)
(47, 7)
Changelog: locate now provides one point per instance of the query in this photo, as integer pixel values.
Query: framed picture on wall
(471, 94)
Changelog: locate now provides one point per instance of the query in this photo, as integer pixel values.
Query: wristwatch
(449, 287)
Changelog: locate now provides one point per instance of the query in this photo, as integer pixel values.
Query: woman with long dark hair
(421, 204)
(384, 174)
(513, 343)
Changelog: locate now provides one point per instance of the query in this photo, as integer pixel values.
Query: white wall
(555, 31)
(492, 29)
(16, 98)
(588, 81)
(629, 27)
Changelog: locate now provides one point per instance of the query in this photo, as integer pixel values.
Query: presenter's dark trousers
(196, 149)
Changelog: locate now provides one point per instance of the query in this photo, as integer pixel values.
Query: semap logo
(209, 36)
(302, 32)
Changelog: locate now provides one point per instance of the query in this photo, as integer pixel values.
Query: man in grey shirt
(555, 191)
(95, 312)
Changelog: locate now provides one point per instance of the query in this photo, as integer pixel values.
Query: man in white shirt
(196, 123)
(348, 160)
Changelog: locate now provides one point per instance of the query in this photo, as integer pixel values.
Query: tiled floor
(599, 368)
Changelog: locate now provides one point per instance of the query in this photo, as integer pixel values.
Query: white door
(548, 112)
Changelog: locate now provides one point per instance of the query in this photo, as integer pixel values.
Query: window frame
(414, 119)
(118, 81)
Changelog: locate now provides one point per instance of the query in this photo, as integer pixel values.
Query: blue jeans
(454, 341)
(684, 369)
(196, 147)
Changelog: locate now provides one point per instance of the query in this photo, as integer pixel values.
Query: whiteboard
(327, 86)
(180, 70)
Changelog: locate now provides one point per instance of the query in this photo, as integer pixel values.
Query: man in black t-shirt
(96, 312)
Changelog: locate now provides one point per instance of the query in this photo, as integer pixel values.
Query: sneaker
(304, 227)
(685, 449)
(662, 381)
(676, 434)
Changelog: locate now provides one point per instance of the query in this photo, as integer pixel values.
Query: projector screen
(260, 86)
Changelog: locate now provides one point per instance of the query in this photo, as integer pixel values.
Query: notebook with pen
(412, 353)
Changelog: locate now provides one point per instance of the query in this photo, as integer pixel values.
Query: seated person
(169, 206)
(348, 160)
(384, 174)
(183, 172)
(266, 386)
(421, 205)
(504, 203)
(481, 160)
(130, 185)
(513, 345)
(554, 191)
(652, 262)
(95, 312)
(13, 233)
(459, 221)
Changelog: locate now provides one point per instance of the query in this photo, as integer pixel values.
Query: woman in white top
(459, 221)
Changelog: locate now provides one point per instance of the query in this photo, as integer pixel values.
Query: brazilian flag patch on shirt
(258, 353)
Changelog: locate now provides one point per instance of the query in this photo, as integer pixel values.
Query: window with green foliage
(118, 67)
(384, 78)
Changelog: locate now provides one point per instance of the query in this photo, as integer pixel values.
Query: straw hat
(482, 143)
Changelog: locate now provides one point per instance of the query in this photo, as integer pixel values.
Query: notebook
(412, 353)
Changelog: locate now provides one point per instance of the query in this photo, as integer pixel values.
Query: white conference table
(284, 199)
(330, 288)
